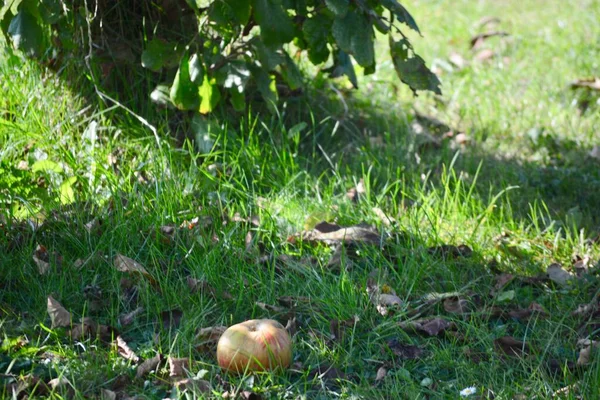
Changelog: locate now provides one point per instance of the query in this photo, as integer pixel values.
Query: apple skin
(254, 345)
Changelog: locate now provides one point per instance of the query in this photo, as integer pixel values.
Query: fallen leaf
(586, 310)
(457, 60)
(58, 314)
(581, 265)
(171, 319)
(511, 346)
(291, 326)
(501, 281)
(59, 383)
(41, 258)
(456, 305)
(248, 242)
(126, 264)
(106, 394)
(207, 338)
(478, 39)
(126, 319)
(150, 364)
(557, 274)
(178, 367)
(404, 351)
(194, 385)
(526, 313)
(356, 192)
(353, 234)
(430, 327)
(125, 351)
(381, 374)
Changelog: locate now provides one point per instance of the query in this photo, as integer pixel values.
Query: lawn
(471, 261)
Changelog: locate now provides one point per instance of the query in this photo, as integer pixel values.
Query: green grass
(542, 194)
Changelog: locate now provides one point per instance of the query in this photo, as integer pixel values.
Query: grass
(522, 194)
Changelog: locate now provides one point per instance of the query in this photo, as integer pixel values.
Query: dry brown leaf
(557, 274)
(126, 319)
(484, 55)
(41, 257)
(106, 394)
(59, 383)
(125, 351)
(126, 264)
(58, 314)
(430, 327)
(501, 281)
(381, 374)
(178, 367)
(270, 307)
(171, 319)
(456, 305)
(585, 310)
(248, 242)
(88, 328)
(207, 338)
(150, 364)
(194, 385)
(457, 60)
(352, 234)
(405, 351)
(510, 346)
(526, 313)
(291, 326)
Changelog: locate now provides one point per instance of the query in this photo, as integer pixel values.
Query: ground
(465, 200)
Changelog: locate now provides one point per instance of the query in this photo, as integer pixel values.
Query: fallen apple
(254, 345)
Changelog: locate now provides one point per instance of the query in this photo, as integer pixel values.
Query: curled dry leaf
(356, 192)
(353, 234)
(194, 385)
(526, 313)
(171, 319)
(270, 307)
(557, 274)
(127, 319)
(59, 383)
(58, 314)
(128, 265)
(586, 310)
(501, 281)
(178, 367)
(430, 327)
(385, 219)
(150, 364)
(88, 328)
(291, 326)
(207, 338)
(404, 351)
(106, 394)
(125, 351)
(589, 83)
(510, 346)
(456, 305)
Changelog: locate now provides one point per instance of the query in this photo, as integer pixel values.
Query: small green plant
(224, 47)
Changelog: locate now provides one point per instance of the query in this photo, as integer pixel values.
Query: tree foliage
(223, 47)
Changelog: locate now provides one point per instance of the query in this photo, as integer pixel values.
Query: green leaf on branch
(276, 27)
(196, 69)
(240, 10)
(401, 13)
(291, 74)
(158, 54)
(316, 30)
(354, 34)
(266, 86)
(50, 10)
(342, 65)
(184, 93)
(209, 95)
(26, 34)
(411, 68)
(338, 7)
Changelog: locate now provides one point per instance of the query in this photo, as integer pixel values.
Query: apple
(254, 345)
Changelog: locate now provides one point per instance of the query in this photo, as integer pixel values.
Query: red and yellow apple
(255, 345)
